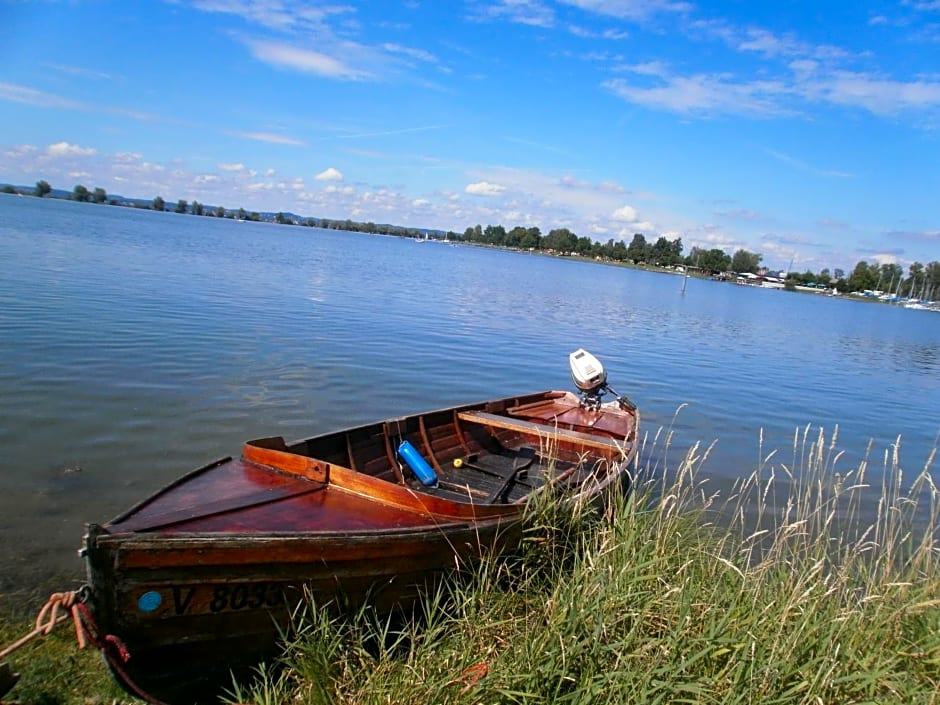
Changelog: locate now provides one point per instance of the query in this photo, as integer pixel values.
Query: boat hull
(202, 578)
(190, 609)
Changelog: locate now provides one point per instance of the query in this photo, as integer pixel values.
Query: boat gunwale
(239, 539)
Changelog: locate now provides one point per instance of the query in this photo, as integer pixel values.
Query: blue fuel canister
(418, 464)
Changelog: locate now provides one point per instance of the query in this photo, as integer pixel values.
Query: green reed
(806, 584)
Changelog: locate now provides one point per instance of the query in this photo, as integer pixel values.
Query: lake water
(136, 345)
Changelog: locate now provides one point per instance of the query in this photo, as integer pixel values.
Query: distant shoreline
(762, 278)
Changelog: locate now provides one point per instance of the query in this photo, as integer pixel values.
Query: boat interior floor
(506, 476)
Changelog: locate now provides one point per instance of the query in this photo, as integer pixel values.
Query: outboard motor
(590, 378)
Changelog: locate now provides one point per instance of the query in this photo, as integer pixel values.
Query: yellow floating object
(458, 462)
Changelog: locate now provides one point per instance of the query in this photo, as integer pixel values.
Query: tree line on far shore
(920, 281)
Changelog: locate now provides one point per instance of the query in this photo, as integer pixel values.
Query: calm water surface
(136, 345)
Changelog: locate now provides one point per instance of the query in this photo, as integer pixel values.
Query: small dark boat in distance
(200, 577)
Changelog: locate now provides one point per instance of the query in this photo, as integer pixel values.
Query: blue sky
(805, 131)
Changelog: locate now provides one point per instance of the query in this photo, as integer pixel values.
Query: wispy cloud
(539, 146)
(805, 85)
(738, 214)
(282, 15)
(308, 61)
(30, 96)
(80, 72)
(635, 10)
(293, 27)
(270, 138)
(411, 52)
(878, 95)
(527, 12)
(706, 94)
(387, 133)
(804, 166)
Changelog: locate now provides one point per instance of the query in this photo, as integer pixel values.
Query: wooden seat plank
(527, 427)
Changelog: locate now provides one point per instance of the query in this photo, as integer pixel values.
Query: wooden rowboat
(200, 577)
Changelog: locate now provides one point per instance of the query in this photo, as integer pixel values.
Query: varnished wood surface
(204, 573)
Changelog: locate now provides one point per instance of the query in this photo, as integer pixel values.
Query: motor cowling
(587, 372)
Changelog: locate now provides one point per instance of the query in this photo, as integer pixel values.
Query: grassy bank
(807, 584)
(792, 590)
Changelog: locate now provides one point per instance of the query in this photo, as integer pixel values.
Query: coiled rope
(60, 607)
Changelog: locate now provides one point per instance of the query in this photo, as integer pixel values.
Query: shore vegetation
(805, 584)
(921, 281)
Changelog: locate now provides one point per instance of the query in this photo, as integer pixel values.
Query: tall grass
(805, 584)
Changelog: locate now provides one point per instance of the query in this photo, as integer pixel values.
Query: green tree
(584, 246)
(915, 284)
(42, 189)
(219, 212)
(532, 239)
(281, 219)
(560, 240)
(744, 261)
(181, 206)
(713, 260)
(80, 193)
(619, 251)
(99, 195)
(159, 204)
(198, 209)
(890, 275)
(514, 237)
(666, 253)
(932, 272)
(494, 235)
(639, 249)
(7, 188)
(863, 277)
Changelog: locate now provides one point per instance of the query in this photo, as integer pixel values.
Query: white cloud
(626, 214)
(345, 190)
(484, 188)
(231, 167)
(330, 174)
(22, 150)
(60, 149)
